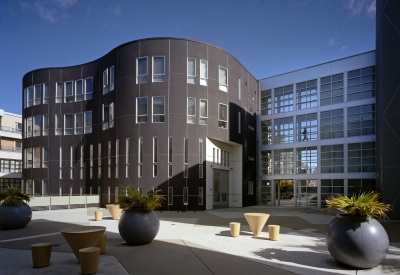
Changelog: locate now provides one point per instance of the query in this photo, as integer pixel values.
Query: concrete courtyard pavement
(193, 243)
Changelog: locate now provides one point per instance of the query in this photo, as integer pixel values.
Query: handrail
(10, 149)
(10, 129)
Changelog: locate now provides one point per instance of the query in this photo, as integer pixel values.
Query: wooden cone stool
(256, 221)
(98, 215)
(41, 253)
(102, 244)
(273, 231)
(235, 229)
(89, 258)
(114, 210)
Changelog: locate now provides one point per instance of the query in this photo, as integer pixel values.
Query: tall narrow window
(69, 93)
(127, 157)
(185, 196)
(191, 110)
(200, 158)
(111, 115)
(46, 93)
(45, 157)
(222, 115)
(158, 68)
(239, 87)
(141, 70)
(81, 161)
(36, 157)
(112, 74)
(61, 162)
(117, 158)
(25, 99)
(213, 155)
(155, 156)
(170, 195)
(29, 158)
(71, 163)
(141, 110)
(68, 124)
(239, 123)
(29, 126)
(105, 81)
(59, 92)
(169, 149)
(109, 159)
(200, 196)
(79, 90)
(91, 162)
(191, 71)
(88, 88)
(223, 79)
(203, 112)
(37, 126)
(203, 72)
(158, 109)
(88, 122)
(30, 96)
(140, 156)
(38, 95)
(186, 157)
(45, 125)
(105, 116)
(99, 161)
(78, 123)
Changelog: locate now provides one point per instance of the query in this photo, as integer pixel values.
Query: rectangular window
(186, 149)
(29, 127)
(112, 75)
(88, 122)
(185, 196)
(78, 123)
(361, 157)
(68, 124)
(45, 125)
(239, 123)
(46, 93)
(127, 157)
(213, 155)
(169, 149)
(332, 159)
(140, 156)
(331, 90)
(111, 115)
(266, 132)
(222, 116)
(88, 88)
(266, 103)
(191, 71)
(191, 110)
(203, 72)
(185, 171)
(59, 125)
(25, 99)
(355, 185)
(109, 159)
(239, 88)
(361, 120)
(45, 157)
(79, 90)
(200, 196)
(36, 157)
(307, 160)
(82, 160)
(307, 127)
(69, 91)
(37, 126)
(266, 162)
(361, 84)
(331, 124)
(59, 92)
(223, 79)
(200, 158)
(140, 171)
(329, 188)
(61, 163)
(203, 112)
(117, 158)
(30, 96)
(158, 109)
(306, 94)
(105, 82)
(170, 195)
(283, 161)
(158, 68)
(283, 99)
(91, 161)
(141, 70)
(37, 95)
(141, 110)
(155, 156)
(28, 158)
(283, 130)
(71, 163)
(170, 170)
(250, 188)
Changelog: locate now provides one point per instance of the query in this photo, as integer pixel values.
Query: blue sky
(268, 37)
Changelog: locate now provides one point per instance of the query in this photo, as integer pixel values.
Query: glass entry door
(221, 188)
(284, 193)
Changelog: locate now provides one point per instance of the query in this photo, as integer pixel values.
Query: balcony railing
(10, 149)
(9, 129)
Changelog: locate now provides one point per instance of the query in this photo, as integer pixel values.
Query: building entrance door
(221, 188)
(284, 193)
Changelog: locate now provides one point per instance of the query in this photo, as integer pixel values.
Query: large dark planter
(14, 216)
(357, 241)
(138, 226)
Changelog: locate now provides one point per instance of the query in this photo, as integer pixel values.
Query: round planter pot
(138, 226)
(357, 241)
(14, 216)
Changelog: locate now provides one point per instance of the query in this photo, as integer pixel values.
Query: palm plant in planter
(356, 238)
(14, 212)
(138, 223)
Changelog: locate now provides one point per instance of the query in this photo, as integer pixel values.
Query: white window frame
(37, 94)
(227, 116)
(223, 86)
(58, 131)
(152, 109)
(30, 101)
(111, 115)
(191, 79)
(72, 120)
(37, 132)
(59, 92)
(45, 126)
(193, 117)
(239, 88)
(76, 91)
(203, 80)
(78, 130)
(112, 78)
(105, 81)
(142, 78)
(205, 118)
(68, 98)
(160, 76)
(46, 87)
(87, 95)
(87, 129)
(147, 110)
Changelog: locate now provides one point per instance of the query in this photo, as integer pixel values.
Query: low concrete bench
(89, 259)
(41, 253)
(102, 244)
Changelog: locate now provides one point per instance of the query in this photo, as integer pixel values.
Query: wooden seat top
(83, 229)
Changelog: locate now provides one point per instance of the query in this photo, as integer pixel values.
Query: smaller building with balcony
(10, 149)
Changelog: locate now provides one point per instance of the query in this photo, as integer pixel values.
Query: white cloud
(343, 48)
(66, 3)
(44, 12)
(116, 11)
(305, 3)
(371, 9)
(331, 42)
(355, 6)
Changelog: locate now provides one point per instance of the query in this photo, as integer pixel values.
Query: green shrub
(130, 198)
(13, 196)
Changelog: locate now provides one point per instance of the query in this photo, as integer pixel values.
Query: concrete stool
(235, 229)
(273, 231)
(98, 215)
(256, 221)
(41, 253)
(89, 258)
(102, 244)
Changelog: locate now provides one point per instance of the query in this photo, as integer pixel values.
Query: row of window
(360, 122)
(360, 85)
(360, 158)
(10, 166)
(9, 182)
